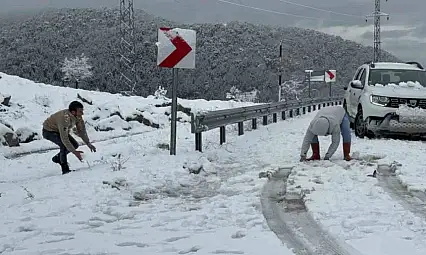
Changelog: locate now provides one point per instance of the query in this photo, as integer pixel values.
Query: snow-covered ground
(154, 205)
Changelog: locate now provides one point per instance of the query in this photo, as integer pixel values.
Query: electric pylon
(127, 46)
(377, 14)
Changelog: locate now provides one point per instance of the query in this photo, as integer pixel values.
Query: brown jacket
(62, 122)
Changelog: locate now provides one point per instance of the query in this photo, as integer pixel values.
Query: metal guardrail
(201, 122)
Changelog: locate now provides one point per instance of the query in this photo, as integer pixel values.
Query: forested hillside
(234, 54)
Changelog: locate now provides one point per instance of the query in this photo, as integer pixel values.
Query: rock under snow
(26, 135)
(5, 99)
(144, 118)
(85, 98)
(8, 137)
(112, 123)
(105, 111)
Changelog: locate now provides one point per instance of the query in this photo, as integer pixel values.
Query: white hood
(403, 90)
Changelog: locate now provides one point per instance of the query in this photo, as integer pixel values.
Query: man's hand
(91, 147)
(78, 155)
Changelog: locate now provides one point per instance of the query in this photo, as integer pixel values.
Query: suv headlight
(379, 100)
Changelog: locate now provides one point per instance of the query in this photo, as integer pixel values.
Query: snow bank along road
(153, 206)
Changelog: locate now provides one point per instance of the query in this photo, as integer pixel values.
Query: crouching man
(56, 129)
(333, 121)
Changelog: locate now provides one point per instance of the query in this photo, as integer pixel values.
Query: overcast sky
(404, 34)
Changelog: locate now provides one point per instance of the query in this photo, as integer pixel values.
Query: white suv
(387, 98)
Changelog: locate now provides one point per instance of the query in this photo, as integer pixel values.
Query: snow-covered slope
(106, 115)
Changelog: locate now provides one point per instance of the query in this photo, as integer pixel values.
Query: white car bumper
(393, 123)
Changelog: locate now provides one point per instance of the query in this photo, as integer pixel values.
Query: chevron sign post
(176, 49)
(330, 76)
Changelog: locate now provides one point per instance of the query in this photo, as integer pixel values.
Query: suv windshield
(395, 76)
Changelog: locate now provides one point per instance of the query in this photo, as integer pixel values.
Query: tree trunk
(76, 84)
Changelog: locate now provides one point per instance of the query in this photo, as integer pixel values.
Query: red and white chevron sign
(330, 76)
(176, 48)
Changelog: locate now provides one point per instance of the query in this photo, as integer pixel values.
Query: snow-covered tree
(291, 90)
(76, 69)
(233, 93)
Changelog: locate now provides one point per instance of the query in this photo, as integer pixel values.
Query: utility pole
(127, 46)
(376, 15)
(280, 70)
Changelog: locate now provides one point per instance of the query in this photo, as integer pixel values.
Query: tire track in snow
(413, 201)
(289, 219)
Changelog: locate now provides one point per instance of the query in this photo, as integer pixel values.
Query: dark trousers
(55, 138)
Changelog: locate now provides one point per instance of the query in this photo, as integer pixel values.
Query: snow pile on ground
(106, 115)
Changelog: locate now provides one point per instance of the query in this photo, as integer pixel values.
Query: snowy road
(217, 211)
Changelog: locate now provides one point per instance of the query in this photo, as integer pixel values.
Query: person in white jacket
(333, 121)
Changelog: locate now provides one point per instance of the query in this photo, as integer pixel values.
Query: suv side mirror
(357, 84)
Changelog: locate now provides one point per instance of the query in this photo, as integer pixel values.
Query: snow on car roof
(392, 65)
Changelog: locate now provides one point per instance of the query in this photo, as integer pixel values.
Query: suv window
(362, 78)
(358, 72)
(395, 76)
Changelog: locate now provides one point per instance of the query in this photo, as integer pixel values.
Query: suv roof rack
(370, 63)
(415, 63)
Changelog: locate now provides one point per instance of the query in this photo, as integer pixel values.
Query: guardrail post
(290, 113)
(297, 111)
(283, 115)
(265, 120)
(254, 123)
(222, 135)
(240, 128)
(309, 108)
(304, 110)
(274, 117)
(323, 105)
(198, 142)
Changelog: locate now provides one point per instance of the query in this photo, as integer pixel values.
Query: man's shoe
(65, 168)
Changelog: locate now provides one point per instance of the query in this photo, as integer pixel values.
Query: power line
(319, 9)
(276, 12)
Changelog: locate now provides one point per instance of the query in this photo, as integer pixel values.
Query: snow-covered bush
(160, 93)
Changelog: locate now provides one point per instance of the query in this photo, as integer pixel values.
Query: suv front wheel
(360, 126)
